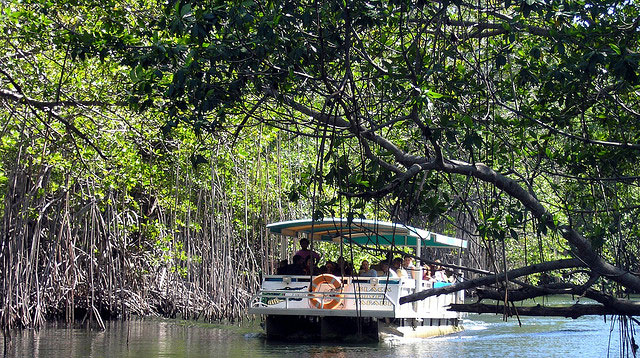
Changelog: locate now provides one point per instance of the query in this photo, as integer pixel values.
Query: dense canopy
(510, 124)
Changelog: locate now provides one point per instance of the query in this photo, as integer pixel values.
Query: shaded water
(484, 336)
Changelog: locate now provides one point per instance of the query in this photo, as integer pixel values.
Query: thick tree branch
(574, 311)
(582, 247)
(487, 280)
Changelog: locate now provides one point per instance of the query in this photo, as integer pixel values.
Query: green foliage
(534, 92)
(320, 109)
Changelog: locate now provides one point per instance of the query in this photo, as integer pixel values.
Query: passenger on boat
(281, 266)
(331, 267)
(438, 273)
(323, 269)
(345, 268)
(427, 273)
(451, 276)
(386, 270)
(378, 266)
(366, 271)
(396, 265)
(295, 268)
(310, 267)
(304, 252)
(407, 264)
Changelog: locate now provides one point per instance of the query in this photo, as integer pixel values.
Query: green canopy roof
(364, 232)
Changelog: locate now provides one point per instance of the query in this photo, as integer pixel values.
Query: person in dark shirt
(304, 252)
(345, 268)
(282, 265)
(331, 267)
(295, 268)
(310, 267)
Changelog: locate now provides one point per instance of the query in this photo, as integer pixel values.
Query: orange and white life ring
(323, 302)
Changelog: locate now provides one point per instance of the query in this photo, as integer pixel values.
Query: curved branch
(487, 280)
(582, 247)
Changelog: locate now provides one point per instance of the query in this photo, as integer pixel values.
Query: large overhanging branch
(582, 247)
(573, 311)
(529, 292)
(491, 279)
(612, 304)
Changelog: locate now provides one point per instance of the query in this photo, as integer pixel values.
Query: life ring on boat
(325, 280)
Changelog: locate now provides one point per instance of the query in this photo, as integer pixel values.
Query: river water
(485, 335)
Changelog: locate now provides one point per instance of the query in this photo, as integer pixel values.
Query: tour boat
(330, 307)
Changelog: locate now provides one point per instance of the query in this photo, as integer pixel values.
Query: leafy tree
(516, 118)
(104, 213)
(519, 115)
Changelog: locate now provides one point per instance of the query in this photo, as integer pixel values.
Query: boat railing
(259, 298)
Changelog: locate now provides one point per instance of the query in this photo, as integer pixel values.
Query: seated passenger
(407, 264)
(310, 267)
(427, 273)
(345, 268)
(281, 267)
(295, 268)
(451, 276)
(438, 273)
(331, 267)
(396, 265)
(366, 271)
(378, 268)
(386, 270)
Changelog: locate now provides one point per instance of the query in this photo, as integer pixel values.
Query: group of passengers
(305, 263)
(435, 273)
(405, 267)
(392, 267)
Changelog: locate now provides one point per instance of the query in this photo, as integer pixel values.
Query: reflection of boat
(326, 307)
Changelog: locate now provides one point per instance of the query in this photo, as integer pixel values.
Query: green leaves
(532, 89)
(615, 48)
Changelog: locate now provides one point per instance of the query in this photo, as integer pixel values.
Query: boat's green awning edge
(364, 232)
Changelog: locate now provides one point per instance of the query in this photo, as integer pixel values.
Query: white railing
(377, 297)
(259, 298)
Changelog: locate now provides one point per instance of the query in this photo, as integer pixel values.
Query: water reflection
(484, 336)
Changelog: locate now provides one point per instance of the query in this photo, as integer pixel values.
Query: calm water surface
(484, 336)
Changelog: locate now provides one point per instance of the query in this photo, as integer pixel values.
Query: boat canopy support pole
(283, 248)
(418, 266)
(418, 271)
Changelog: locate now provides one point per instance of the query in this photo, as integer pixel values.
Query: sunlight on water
(471, 325)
